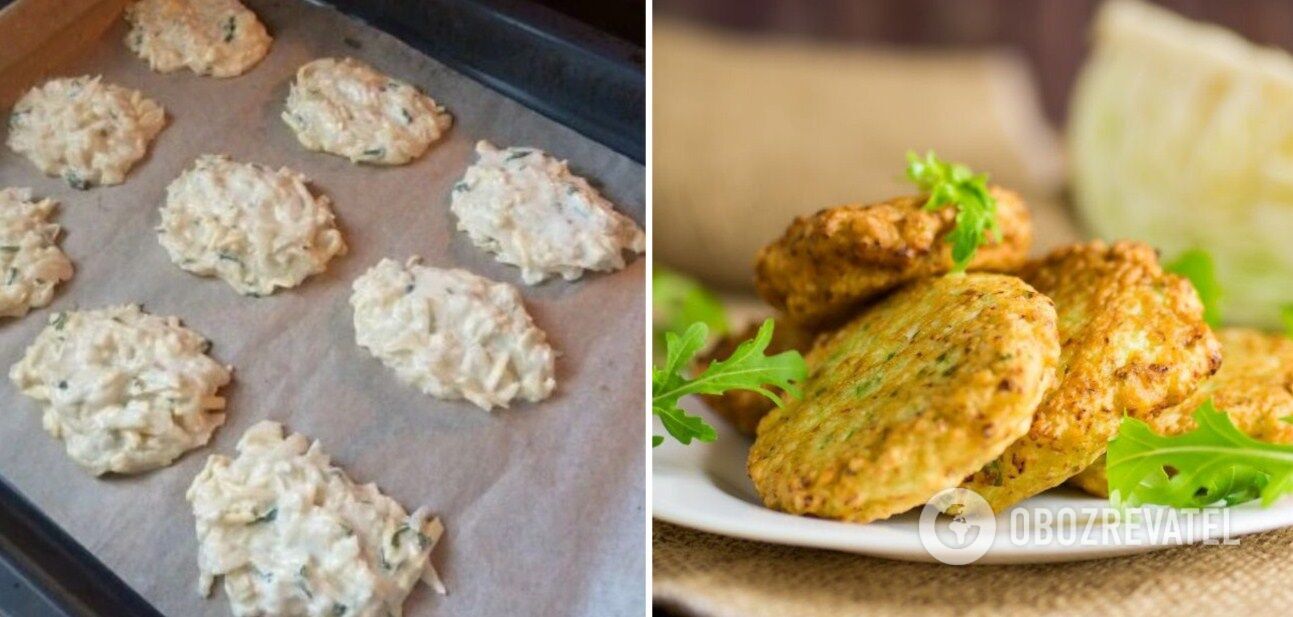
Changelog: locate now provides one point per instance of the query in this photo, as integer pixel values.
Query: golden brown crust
(1254, 387)
(829, 263)
(1134, 341)
(744, 408)
(920, 390)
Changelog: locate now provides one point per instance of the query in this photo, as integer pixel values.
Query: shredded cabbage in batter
(292, 534)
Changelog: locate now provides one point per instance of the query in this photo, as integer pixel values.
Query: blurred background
(1166, 122)
(1051, 36)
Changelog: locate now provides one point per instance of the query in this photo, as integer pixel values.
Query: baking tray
(577, 75)
(558, 67)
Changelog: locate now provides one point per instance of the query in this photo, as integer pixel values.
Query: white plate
(705, 487)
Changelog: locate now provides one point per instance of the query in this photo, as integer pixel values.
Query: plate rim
(678, 472)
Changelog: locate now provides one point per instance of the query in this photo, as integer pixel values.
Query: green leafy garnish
(746, 369)
(678, 301)
(1214, 463)
(951, 183)
(1286, 316)
(1197, 265)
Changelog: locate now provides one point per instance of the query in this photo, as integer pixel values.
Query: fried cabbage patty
(916, 393)
(1254, 387)
(827, 264)
(1133, 341)
(744, 408)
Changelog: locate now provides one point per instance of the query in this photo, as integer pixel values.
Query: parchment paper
(543, 503)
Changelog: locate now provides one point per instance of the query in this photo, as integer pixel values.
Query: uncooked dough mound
(84, 130)
(222, 38)
(256, 228)
(293, 535)
(347, 108)
(452, 334)
(127, 391)
(31, 264)
(526, 207)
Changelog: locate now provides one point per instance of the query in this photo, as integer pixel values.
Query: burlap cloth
(707, 575)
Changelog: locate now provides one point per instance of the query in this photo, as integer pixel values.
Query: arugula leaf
(679, 352)
(1214, 463)
(1197, 265)
(677, 301)
(976, 208)
(748, 368)
(1286, 316)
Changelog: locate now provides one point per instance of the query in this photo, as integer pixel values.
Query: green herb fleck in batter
(230, 25)
(267, 517)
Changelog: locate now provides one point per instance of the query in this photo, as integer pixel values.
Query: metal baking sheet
(543, 503)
